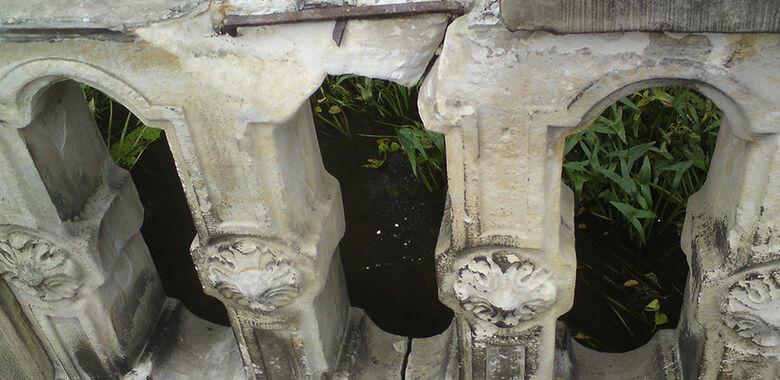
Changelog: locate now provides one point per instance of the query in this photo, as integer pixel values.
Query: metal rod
(232, 22)
(338, 31)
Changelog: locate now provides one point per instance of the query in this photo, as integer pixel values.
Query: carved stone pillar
(731, 328)
(70, 246)
(280, 276)
(505, 255)
(506, 102)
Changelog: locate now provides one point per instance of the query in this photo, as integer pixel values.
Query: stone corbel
(505, 255)
(503, 289)
(39, 268)
(254, 274)
(268, 248)
(750, 307)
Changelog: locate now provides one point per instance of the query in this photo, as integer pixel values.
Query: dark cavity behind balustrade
(392, 224)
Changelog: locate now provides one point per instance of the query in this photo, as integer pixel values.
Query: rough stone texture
(21, 354)
(433, 358)
(593, 16)
(657, 359)
(116, 15)
(370, 353)
(70, 245)
(507, 100)
(269, 217)
(186, 347)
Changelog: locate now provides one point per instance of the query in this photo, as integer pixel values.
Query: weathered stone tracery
(503, 91)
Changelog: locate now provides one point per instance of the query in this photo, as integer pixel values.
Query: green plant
(387, 105)
(424, 150)
(634, 169)
(642, 159)
(125, 144)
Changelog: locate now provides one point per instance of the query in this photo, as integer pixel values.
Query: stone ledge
(94, 15)
(577, 16)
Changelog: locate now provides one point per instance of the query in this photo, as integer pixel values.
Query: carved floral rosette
(752, 308)
(36, 266)
(504, 289)
(251, 274)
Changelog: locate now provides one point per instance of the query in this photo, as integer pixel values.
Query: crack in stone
(406, 357)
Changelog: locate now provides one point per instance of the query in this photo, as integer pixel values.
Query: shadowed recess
(391, 172)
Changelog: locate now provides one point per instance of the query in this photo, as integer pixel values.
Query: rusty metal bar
(232, 22)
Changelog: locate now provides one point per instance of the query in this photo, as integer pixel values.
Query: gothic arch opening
(632, 171)
(167, 229)
(71, 245)
(393, 180)
(72, 164)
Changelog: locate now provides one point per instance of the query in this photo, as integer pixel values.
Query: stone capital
(751, 305)
(252, 273)
(503, 287)
(37, 266)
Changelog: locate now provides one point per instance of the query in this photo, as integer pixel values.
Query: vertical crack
(406, 358)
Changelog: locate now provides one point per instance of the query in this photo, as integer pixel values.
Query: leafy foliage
(389, 105)
(635, 168)
(126, 144)
(642, 158)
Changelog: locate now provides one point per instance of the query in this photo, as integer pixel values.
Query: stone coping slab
(73, 15)
(595, 16)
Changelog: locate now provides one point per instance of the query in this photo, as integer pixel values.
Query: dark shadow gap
(168, 231)
(392, 218)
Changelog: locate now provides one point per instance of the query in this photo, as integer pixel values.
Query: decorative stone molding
(751, 308)
(37, 266)
(504, 289)
(253, 276)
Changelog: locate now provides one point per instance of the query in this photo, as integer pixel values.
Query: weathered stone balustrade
(81, 297)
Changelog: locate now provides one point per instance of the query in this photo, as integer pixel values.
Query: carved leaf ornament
(504, 289)
(752, 308)
(37, 267)
(253, 277)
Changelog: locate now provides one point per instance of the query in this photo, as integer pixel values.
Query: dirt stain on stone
(665, 45)
(743, 49)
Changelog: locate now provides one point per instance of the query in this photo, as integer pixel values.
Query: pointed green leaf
(628, 102)
(626, 184)
(660, 318)
(654, 305)
(645, 171)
